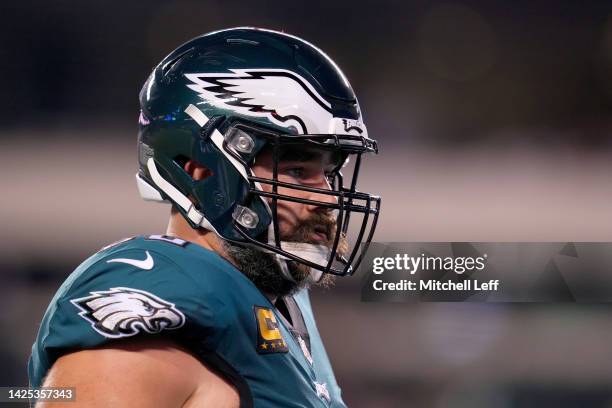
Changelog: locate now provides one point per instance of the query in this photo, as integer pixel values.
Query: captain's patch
(269, 337)
(125, 312)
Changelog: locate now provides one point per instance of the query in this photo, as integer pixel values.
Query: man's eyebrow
(327, 158)
(297, 155)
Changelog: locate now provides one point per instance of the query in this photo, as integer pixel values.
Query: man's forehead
(303, 154)
(297, 153)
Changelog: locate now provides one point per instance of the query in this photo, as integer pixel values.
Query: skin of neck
(179, 227)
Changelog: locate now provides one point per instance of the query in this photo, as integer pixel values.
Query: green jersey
(164, 286)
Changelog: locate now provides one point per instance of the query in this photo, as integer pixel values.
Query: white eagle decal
(282, 96)
(124, 312)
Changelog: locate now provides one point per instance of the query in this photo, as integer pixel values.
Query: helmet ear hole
(195, 170)
(181, 161)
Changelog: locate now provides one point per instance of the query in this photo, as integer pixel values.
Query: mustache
(318, 223)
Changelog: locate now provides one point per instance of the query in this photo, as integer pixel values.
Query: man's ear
(196, 170)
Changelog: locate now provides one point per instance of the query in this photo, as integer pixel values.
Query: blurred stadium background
(494, 121)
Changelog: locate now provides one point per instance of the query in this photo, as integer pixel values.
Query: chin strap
(318, 254)
(282, 263)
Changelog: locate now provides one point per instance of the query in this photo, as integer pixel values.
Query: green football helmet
(221, 98)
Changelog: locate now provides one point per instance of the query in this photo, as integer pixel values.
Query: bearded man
(245, 132)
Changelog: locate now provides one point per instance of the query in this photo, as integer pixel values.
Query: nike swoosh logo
(146, 264)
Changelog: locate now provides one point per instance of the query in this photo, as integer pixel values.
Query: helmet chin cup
(318, 254)
(314, 253)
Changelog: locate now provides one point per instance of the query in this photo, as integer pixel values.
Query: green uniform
(163, 286)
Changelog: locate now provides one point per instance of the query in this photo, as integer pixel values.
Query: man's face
(306, 223)
(305, 167)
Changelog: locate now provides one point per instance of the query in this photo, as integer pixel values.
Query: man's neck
(178, 227)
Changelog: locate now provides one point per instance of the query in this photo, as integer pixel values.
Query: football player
(245, 132)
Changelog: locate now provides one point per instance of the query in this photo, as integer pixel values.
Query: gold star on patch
(269, 337)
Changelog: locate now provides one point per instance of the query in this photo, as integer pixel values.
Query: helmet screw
(243, 143)
(246, 217)
(240, 140)
(248, 220)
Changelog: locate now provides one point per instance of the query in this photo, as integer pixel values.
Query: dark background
(494, 123)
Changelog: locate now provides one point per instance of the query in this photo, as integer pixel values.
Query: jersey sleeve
(125, 293)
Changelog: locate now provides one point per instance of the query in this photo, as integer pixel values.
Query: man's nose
(322, 184)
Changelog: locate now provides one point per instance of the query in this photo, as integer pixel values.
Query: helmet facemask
(327, 257)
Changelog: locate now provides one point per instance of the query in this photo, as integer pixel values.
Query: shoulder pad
(132, 288)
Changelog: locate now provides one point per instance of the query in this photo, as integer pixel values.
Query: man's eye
(296, 172)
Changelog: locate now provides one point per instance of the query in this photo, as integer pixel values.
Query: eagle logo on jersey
(125, 312)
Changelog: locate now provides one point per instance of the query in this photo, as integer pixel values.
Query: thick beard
(265, 272)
